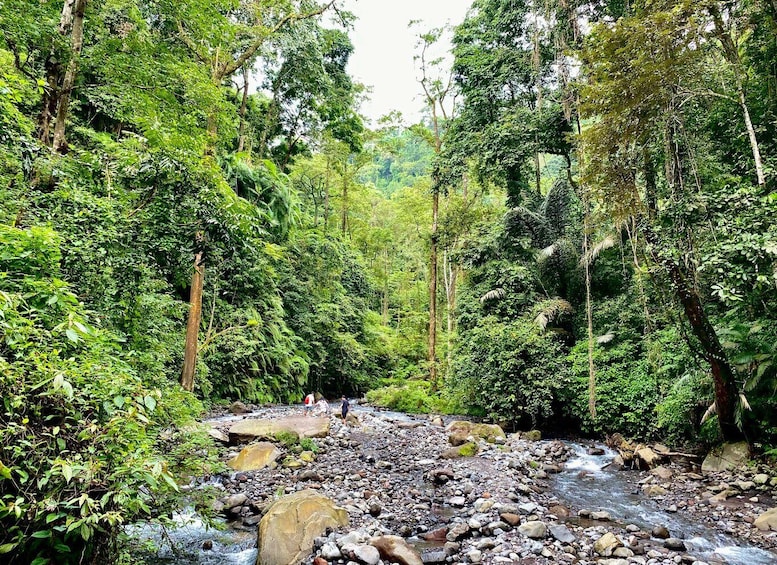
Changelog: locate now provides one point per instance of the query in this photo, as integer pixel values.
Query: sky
(384, 49)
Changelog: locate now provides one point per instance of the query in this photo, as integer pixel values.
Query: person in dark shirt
(344, 407)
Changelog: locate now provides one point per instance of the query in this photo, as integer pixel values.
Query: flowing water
(587, 482)
(186, 543)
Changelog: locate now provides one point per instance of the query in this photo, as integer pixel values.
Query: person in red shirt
(310, 400)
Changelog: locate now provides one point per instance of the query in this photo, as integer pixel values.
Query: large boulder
(292, 523)
(727, 457)
(396, 550)
(647, 457)
(255, 456)
(767, 521)
(463, 429)
(252, 428)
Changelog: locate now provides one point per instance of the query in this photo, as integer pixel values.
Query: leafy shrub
(411, 396)
(511, 371)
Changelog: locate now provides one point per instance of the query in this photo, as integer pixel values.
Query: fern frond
(743, 401)
(547, 252)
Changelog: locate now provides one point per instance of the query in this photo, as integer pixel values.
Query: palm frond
(596, 250)
(552, 310)
(494, 294)
(711, 411)
(743, 401)
(606, 338)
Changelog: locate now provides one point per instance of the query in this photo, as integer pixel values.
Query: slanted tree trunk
(193, 324)
(731, 54)
(53, 67)
(77, 42)
(722, 373)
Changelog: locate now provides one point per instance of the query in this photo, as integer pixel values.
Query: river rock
(606, 544)
(767, 521)
(287, 530)
(663, 473)
(561, 533)
(218, 435)
(255, 456)
(235, 500)
(395, 549)
(532, 435)
(251, 428)
(674, 544)
(660, 532)
(467, 450)
(647, 456)
(727, 457)
(534, 530)
(238, 407)
(654, 490)
(367, 554)
(487, 432)
(457, 531)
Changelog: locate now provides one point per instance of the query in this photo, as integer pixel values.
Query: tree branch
(190, 44)
(230, 67)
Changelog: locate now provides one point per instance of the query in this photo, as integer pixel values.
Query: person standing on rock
(344, 407)
(310, 400)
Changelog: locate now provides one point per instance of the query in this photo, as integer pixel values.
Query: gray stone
(674, 544)
(561, 533)
(367, 554)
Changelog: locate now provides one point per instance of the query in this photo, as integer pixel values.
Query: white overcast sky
(384, 49)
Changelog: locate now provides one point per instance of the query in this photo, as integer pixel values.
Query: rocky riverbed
(511, 499)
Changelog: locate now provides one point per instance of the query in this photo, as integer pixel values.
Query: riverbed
(515, 501)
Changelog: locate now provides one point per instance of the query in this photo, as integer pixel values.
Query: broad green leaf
(149, 402)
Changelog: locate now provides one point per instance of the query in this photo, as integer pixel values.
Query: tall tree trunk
(722, 373)
(385, 304)
(344, 218)
(241, 133)
(193, 323)
(53, 68)
(327, 177)
(589, 310)
(77, 42)
(432, 352)
(450, 276)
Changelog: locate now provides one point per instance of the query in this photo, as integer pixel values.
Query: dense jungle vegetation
(580, 236)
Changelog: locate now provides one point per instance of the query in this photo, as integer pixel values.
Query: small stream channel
(587, 482)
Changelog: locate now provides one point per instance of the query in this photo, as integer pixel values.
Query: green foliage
(510, 371)
(308, 444)
(78, 427)
(413, 396)
(287, 439)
